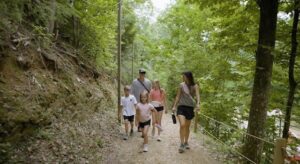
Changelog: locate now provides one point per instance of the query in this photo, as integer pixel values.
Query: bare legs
(187, 131)
(184, 130)
(126, 126)
(158, 117)
(145, 134)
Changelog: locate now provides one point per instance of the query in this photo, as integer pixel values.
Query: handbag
(174, 118)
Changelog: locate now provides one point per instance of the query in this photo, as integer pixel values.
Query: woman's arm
(176, 99)
(197, 97)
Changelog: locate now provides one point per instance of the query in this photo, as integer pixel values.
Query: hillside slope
(54, 106)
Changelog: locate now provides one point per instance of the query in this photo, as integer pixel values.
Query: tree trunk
(52, 17)
(262, 79)
(75, 27)
(292, 82)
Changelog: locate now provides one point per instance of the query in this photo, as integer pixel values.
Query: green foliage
(216, 40)
(43, 39)
(98, 23)
(88, 25)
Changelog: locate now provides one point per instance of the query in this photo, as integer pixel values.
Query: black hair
(190, 81)
(190, 78)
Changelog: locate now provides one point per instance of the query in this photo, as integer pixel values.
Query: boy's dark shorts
(143, 124)
(160, 108)
(186, 111)
(129, 118)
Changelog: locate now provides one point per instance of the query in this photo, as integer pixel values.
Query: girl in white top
(144, 112)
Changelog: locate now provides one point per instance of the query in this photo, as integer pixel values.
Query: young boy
(128, 104)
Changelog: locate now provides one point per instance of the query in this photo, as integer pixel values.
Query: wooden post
(119, 59)
(196, 123)
(132, 59)
(278, 151)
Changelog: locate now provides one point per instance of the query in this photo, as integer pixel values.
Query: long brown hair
(158, 83)
(190, 81)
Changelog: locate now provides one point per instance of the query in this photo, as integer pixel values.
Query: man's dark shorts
(129, 118)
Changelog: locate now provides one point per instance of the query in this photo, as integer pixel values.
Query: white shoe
(158, 139)
(125, 137)
(186, 145)
(145, 149)
(159, 127)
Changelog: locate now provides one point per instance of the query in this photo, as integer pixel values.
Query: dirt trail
(164, 152)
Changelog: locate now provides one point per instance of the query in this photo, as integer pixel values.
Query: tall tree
(51, 22)
(292, 81)
(262, 79)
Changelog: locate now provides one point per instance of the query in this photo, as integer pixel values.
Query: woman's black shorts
(143, 124)
(186, 111)
(160, 108)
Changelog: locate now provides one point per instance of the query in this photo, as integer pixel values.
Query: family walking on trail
(144, 103)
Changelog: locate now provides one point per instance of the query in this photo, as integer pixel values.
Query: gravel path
(164, 152)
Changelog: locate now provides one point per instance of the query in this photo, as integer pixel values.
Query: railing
(241, 132)
(224, 144)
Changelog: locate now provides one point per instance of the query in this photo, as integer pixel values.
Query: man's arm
(132, 89)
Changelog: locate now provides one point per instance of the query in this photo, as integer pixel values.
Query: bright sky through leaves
(160, 6)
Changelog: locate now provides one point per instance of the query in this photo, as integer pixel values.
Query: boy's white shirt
(128, 104)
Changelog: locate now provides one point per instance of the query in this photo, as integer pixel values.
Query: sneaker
(131, 132)
(186, 145)
(145, 149)
(159, 127)
(158, 139)
(181, 148)
(125, 137)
